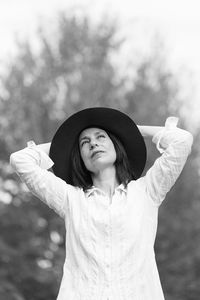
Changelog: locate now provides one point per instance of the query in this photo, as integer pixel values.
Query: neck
(106, 180)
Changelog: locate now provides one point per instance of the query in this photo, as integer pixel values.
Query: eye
(84, 142)
(101, 136)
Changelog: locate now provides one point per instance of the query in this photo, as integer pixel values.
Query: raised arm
(175, 145)
(45, 147)
(151, 131)
(32, 164)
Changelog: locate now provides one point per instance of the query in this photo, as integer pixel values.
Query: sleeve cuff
(170, 124)
(45, 161)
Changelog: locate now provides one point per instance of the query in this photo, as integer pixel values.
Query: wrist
(44, 147)
(149, 131)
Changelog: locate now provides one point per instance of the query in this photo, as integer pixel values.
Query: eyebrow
(87, 137)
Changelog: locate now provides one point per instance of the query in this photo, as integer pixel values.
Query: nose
(93, 144)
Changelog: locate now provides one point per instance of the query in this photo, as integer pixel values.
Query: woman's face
(96, 149)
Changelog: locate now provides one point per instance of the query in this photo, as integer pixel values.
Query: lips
(96, 152)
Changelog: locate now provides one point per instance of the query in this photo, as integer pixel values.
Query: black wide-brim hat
(108, 119)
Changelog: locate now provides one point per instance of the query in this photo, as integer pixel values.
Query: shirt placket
(108, 252)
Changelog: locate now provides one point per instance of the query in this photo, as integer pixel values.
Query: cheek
(84, 156)
(113, 152)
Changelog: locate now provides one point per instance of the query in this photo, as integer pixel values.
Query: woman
(110, 211)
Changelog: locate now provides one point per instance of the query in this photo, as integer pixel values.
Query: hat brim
(108, 119)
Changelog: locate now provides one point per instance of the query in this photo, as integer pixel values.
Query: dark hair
(81, 177)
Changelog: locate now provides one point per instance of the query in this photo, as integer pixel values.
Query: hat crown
(109, 119)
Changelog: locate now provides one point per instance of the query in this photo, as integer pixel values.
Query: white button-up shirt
(109, 244)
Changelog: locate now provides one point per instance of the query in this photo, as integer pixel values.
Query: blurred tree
(42, 90)
(178, 241)
(31, 243)
(72, 71)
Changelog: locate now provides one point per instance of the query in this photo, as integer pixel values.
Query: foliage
(61, 79)
(73, 70)
(31, 243)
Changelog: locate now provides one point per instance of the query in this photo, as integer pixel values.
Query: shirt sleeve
(32, 164)
(175, 145)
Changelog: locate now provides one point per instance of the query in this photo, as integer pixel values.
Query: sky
(176, 21)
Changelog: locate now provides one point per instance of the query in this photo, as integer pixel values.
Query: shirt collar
(94, 189)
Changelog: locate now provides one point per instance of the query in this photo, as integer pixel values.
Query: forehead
(91, 131)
